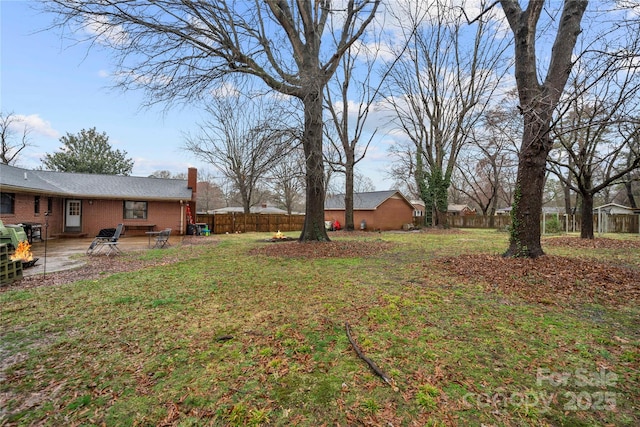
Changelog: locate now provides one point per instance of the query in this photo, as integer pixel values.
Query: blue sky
(63, 89)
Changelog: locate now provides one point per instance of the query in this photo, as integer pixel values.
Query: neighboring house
(460, 210)
(553, 210)
(452, 209)
(380, 210)
(262, 209)
(418, 208)
(79, 204)
(504, 211)
(614, 209)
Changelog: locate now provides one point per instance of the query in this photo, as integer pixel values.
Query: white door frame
(72, 215)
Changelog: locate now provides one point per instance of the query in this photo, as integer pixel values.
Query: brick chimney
(192, 181)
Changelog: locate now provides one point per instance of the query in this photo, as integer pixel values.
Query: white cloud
(34, 124)
(105, 33)
(226, 90)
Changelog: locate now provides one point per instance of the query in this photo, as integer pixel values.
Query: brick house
(381, 210)
(460, 210)
(78, 204)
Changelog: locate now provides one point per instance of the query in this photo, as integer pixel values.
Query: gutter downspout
(182, 217)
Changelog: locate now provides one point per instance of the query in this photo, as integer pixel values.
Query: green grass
(143, 348)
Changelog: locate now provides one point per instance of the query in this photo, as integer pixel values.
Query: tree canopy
(88, 152)
(182, 50)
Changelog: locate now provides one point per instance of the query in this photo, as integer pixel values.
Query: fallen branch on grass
(369, 362)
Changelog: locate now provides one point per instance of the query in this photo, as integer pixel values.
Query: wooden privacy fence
(566, 223)
(271, 223)
(479, 221)
(242, 223)
(617, 224)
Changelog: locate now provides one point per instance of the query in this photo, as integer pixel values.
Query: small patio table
(152, 233)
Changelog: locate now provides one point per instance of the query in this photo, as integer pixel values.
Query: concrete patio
(65, 254)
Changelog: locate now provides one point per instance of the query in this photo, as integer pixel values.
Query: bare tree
(243, 140)
(403, 169)
(363, 184)
(599, 152)
(486, 162)
(482, 175)
(598, 132)
(331, 156)
(440, 88)
(164, 174)
(633, 177)
(538, 101)
(177, 50)
(12, 139)
(286, 180)
(168, 175)
(350, 97)
(209, 195)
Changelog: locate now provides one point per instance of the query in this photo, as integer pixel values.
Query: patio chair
(12, 234)
(106, 241)
(162, 239)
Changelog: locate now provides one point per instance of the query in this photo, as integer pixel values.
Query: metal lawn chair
(162, 239)
(106, 241)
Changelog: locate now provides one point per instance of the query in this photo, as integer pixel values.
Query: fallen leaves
(333, 249)
(549, 279)
(599, 243)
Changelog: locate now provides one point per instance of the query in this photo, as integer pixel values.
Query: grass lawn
(246, 332)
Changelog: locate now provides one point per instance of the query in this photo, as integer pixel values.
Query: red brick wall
(96, 215)
(24, 211)
(99, 214)
(391, 215)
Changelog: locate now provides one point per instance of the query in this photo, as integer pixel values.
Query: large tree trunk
(567, 199)
(586, 227)
(440, 187)
(440, 218)
(348, 196)
(537, 102)
(527, 203)
(313, 229)
(494, 205)
(246, 202)
(628, 185)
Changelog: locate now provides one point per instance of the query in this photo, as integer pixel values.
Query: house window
(135, 210)
(7, 203)
(36, 204)
(49, 205)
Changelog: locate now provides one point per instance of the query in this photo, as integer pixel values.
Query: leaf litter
(552, 279)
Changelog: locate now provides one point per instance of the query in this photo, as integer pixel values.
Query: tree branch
(369, 362)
